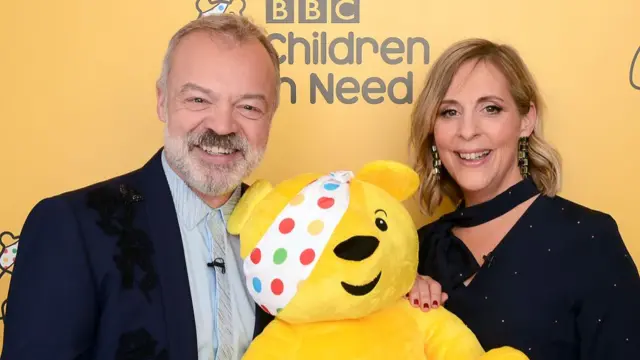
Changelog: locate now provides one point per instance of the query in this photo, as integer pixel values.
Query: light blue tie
(224, 314)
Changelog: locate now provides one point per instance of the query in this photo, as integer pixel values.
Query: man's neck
(214, 201)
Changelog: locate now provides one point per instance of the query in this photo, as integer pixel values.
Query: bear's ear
(242, 211)
(399, 180)
(259, 206)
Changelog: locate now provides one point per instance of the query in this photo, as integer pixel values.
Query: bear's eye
(381, 224)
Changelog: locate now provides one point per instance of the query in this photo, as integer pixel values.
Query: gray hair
(238, 27)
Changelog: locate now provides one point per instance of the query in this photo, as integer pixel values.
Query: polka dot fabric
(9, 256)
(290, 248)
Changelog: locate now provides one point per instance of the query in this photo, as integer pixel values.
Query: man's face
(217, 105)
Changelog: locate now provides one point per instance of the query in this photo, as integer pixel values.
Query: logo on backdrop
(634, 71)
(210, 7)
(343, 16)
(313, 11)
(8, 251)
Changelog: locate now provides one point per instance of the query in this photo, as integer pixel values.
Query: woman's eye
(448, 113)
(493, 109)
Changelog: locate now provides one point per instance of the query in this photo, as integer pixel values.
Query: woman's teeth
(474, 155)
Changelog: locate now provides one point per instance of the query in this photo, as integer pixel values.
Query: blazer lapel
(172, 271)
(262, 320)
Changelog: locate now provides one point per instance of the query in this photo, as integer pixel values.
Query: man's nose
(221, 120)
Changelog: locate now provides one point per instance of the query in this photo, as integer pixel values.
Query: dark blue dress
(561, 284)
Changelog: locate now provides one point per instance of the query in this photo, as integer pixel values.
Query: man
(141, 266)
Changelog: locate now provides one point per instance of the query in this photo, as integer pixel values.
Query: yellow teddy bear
(331, 256)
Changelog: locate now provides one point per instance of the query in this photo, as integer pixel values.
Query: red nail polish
(425, 305)
(416, 302)
(435, 304)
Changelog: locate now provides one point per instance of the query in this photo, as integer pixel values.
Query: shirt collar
(190, 208)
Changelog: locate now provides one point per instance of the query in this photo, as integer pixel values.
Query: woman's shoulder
(565, 212)
(557, 214)
(591, 235)
(427, 229)
(597, 248)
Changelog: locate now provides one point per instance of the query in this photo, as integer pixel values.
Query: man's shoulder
(126, 184)
(70, 205)
(115, 182)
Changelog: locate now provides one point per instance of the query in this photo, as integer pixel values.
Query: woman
(519, 265)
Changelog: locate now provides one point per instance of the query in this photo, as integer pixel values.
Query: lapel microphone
(218, 262)
(489, 259)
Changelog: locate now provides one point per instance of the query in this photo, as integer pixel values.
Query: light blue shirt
(193, 216)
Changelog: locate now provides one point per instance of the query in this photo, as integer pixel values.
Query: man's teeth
(474, 155)
(214, 150)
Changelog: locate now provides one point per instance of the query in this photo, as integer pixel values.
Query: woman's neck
(472, 198)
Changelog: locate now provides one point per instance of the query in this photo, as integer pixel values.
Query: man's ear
(161, 103)
(529, 121)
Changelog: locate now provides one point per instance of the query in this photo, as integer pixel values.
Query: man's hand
(426, 293)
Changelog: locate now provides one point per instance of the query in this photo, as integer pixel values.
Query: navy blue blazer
(100, 274)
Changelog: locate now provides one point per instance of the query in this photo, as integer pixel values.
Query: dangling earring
(523, 156)
(437, 164)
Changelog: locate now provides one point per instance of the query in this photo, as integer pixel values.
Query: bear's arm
(277, 342)
(445, 335)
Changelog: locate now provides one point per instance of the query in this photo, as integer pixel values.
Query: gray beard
(210, 180)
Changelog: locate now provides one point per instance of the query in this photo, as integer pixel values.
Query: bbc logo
(313, 11)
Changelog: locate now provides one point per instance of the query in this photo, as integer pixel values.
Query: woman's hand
(426, 293)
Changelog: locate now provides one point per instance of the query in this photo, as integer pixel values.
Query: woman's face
(477, 131)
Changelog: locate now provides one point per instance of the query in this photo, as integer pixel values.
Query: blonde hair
(544, 160)
(237, 27)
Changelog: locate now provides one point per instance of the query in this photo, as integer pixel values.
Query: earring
(437, 164)
(523, 156)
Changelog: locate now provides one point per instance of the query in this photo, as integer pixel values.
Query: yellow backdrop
(78, 101)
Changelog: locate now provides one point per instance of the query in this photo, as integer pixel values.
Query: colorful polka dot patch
(9, 256)
(288, 252)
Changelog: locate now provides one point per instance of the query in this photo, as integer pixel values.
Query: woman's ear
(529, 121)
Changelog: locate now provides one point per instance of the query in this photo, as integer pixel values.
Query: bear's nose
(357, 248)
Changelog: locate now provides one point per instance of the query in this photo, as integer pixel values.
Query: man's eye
(250, 108)
(196, 103)
(250, 111)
